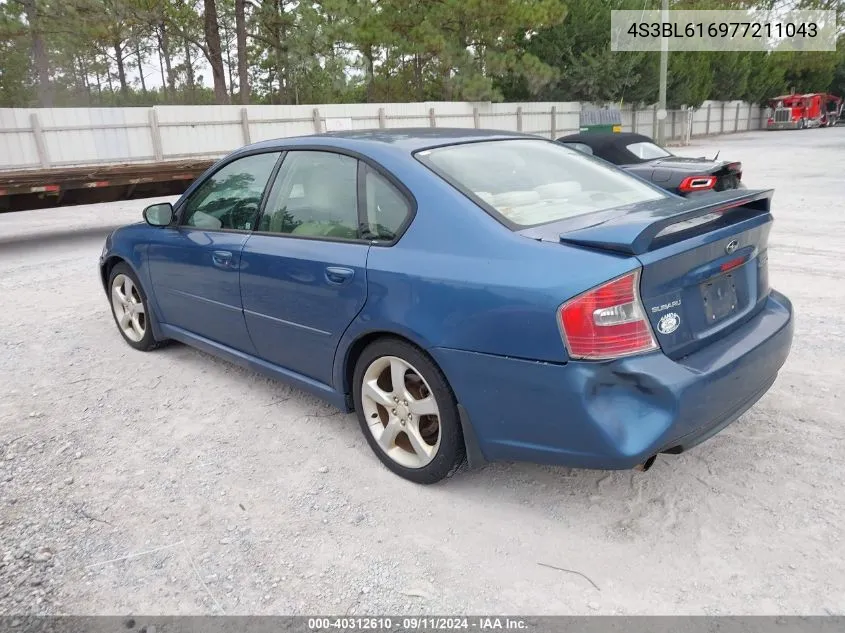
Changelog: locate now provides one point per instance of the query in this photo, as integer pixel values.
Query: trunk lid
(728, 173)
(692, 165)
(704, 260)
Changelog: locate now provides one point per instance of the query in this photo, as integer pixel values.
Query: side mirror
(159, 214)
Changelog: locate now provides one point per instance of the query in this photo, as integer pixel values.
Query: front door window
(229, 199)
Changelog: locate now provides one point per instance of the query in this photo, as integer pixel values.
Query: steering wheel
(244, 213)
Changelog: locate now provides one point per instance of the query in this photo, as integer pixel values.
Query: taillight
(697, 183)
(608, 321)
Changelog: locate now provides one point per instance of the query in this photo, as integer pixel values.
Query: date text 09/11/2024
(723, 29)
(422, 623)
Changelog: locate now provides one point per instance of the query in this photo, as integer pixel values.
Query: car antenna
(717, 154)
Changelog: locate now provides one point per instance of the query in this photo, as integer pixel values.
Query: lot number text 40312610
(421, 623)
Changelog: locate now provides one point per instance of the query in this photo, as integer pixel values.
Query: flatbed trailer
(39, 188)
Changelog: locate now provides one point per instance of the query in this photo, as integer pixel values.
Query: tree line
(102, 53)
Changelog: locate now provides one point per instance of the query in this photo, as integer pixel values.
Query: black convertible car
(640, 155)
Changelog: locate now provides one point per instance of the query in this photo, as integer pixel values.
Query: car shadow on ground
(520, 483)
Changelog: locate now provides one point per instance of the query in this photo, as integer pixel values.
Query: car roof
(407, 140)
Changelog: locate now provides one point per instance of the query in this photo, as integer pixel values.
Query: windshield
(647, 151)
(533, 182)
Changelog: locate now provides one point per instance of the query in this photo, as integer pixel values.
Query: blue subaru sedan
(471, 295)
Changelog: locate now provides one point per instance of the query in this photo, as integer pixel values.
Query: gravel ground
(175, 483)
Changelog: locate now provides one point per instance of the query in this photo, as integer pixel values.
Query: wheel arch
(105, 272)
(108, 266)
(474, 454)
(359, 344)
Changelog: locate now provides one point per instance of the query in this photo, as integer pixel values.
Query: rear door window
(387, 209)
(315, 195)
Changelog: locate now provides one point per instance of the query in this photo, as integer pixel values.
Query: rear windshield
(647, 151)
(530, 182)
(581, 147)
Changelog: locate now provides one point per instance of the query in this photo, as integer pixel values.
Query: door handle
(223, 259)
(339, 274)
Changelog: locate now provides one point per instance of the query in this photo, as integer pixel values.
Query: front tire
(407, 412)
(130, 309)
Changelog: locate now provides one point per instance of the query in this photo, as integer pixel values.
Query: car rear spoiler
(634, 231)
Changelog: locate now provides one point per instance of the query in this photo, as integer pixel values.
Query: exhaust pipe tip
(646, 464)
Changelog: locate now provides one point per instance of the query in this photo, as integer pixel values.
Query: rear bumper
(616, 415)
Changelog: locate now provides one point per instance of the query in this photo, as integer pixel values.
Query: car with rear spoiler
(471, 295)
(640, 155)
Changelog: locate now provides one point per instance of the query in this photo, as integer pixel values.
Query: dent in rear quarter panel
(459, 279)
(577, 414)
(616, 414)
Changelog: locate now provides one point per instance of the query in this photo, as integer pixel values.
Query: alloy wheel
(401, 411)
(128, 308)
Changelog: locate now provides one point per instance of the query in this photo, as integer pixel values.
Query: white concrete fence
(65, 137)
(713, 117)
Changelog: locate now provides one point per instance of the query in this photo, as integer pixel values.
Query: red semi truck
(796, 112)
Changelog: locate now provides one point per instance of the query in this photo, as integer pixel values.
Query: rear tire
(130, 308)
(412, 427)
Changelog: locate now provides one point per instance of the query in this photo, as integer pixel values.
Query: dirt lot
(174, 483)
